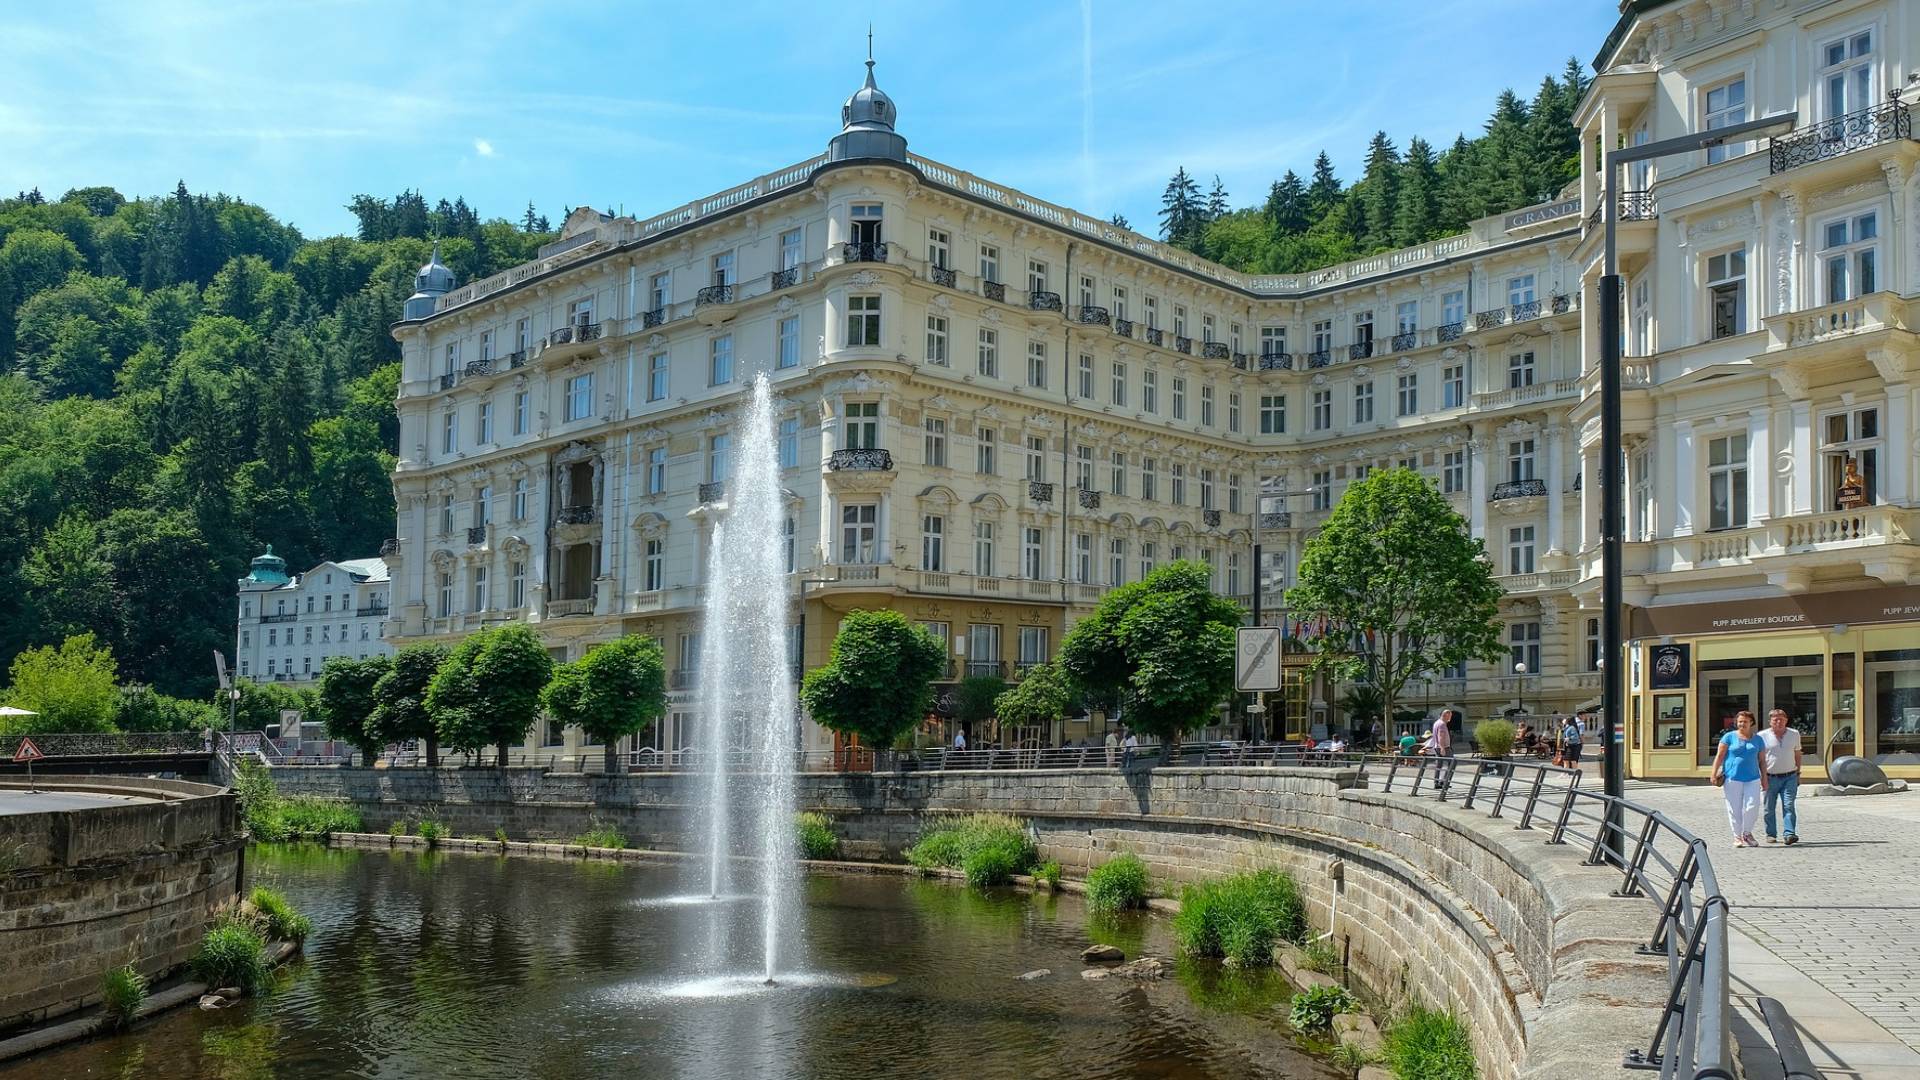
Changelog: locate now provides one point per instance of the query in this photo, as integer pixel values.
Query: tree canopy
(1038, 700)
(1398, 585)
(487, 691)
(400, 699)
(69, 687)
(878, 681)
(1162, 647)
(616, 690)
(345, 701)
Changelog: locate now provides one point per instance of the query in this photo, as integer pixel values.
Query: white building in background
(996, 408)
(290, 626)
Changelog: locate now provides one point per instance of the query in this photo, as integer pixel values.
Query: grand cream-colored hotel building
(995, 408)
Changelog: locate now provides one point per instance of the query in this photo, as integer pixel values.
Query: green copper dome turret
(268, 569)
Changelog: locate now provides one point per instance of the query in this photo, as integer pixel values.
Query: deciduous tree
(1162, 647)
(487, 693)
(70, 687)
(346, 701)
(616, 690)
(400, 699)
(878, 680)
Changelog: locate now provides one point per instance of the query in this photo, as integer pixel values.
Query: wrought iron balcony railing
(561, 336)
(1183, 344)
(1560, 304)
(1039, 491)
(448, 380)
(713, 294)
(577, 514)
(863, 252)
(1841, 135)
(1210, 517)
(1449, 332)
(1043, 301)
(587, 331)
(860, 459)
(651, 319)
(1637, 206)
(1404, 341)
(1215, 350)
(477, 367)
(1487, 320)
(993, 290)
(1280, 520)
(1519, 489)
(1094, 316)
(1155, 336)
(285, 616)
(712, 491)
(1240, 360)
(1360, 350)
(476, 535)
(942, 275)
(1123, 327)
(516, 359)
(983, 669)
(1089, 499)
(1526, 309)
(784, 279)
(1276, 361)
(377, 611)
(1319, 359)
(390, 545)
(684, 679)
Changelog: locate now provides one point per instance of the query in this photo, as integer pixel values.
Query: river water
(453, 965)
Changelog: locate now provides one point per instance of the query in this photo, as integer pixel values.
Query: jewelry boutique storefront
(1844, 665)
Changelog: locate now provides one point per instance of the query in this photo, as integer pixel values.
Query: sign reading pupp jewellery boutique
(1806, 610)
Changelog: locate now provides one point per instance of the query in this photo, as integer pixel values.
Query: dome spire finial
(870, 54)
(867, 122)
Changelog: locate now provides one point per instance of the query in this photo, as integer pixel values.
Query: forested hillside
(1527, 153)
(184, 380)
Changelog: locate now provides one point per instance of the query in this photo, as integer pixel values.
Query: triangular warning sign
(27, 752)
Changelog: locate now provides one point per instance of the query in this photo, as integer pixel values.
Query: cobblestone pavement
(1842, 906)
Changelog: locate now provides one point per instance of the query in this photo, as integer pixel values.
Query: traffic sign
(1256, 658)
(26, 752)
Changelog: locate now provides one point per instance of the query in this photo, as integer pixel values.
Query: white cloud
(483, 147)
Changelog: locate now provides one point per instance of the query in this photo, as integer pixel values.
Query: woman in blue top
(1736, 766)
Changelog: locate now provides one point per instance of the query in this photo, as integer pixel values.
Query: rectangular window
(1519, 369)
(1322, 410)
(657, 470)
(1409, 388)
(486, 346)
(1233, 411)
(516, 585)
(1453, 472)
(1523, 647)
(1118, 387)
(989, 363)
(1520, 549)
(720, 361)
(1323, 489)
(983, 649)
(1085, 372)
(1083, 460)
(1453, 386)
(656, 565)
(1086, 291)
(938, 242)
(580, 396)
(719, 458)
(1036, 457)
(1273, 414)
(1849, 256)
(482, 515)
(1363, 331)
(860, 533)
(983, 548)
(1036, 276)
(789, 442)
(1032, 554)
(1725, 106)
(1117, 460)
(1206, 328)
(446, 514)
(983, 452)
(1206, 405)
(1846, 75)
(485, 423)
(1177, 483)
(790, 249)
(446, 593)
(1149, 480)
(861, 429)
(479, 588)
(1323, 336)
(1727, 292)
(788, 531)
(1273, 341)
(936, 442)
(1149, 554)
(937, 340)
(1406, 317)
(933, 543)
(1520, 290)
(1727, 482)
(523, 333)
(1851, 437)
(1206, 489)
(863, 321)
(788, 355)
(1179, 398)
(1150, 391)
(521, 409)
(989, 263)
(723, 272)
(1179, 320)
(660, 293)
(1117, 561)
(1363, 402)
(1119, 303)
(657, 377)
(449, 432)
(1037, 363)
(1151, 305)
(1233, 493)
(1520, 458)
(1453, 307)
(1083, 558)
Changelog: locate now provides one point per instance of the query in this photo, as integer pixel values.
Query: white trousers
(1743, 805)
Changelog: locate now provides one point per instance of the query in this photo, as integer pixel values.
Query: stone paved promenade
(1831, 926)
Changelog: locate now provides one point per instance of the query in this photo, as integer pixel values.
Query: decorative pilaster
(1684, 480)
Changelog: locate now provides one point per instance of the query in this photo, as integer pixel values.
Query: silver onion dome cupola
(430, 283)
(866, 121)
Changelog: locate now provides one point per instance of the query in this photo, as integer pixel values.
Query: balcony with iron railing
(390, 546)
(1280, 520)
(860, 459)
(477, 536)
(284, 616)
(1094, 316)
(986, 669)
(942, 276)
(584, 332)
(477, 368)
(1518, 489)
(863, 251)
(449, 380)
(377, 611)
(561, 608)
(1560, 303)
(1449, 332)
(713, 294)
(1215, 350)
(1089, 499)
(1319, 358)
(1123, 327)
(577, 514)
(561, 335)
(1039, 491)
(1881, 123)
(1276, 361)
(1488, 320)
(712, 492)
(1021, 667)
(516, 359)
(1406, 340)
(993, 290)
(1210, 518)
(651, 319)
(1631, 206)
(1241, 361)
(1183, 344)
(1524, 310)
(1155, 336)
(1360, 350)
(1043, 301)
(784, 279)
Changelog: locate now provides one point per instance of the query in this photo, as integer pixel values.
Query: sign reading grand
(1256, 658)
(1804, 611)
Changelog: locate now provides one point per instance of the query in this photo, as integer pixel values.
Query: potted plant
(1495, 739)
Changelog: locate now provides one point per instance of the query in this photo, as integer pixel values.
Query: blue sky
(1091, 103)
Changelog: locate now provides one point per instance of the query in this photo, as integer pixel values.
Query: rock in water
(1040, 973)
(1145, 969)
(213, 1001)
(1854, 772)
(1102, 954)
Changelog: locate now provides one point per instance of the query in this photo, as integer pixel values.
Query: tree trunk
(367, 754)
(613, 766)
(433, 751)
(503, 754)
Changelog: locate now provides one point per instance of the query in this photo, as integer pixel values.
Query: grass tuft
(602, 835)
(816, 835)
(232, 954)
(990, 848)
(121, 992)
(1241, 918)
(1118, 884)
(283, 923)
(1428, 1044)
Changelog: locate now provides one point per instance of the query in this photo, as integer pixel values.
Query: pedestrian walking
(1571, 738)
(1736, 769)
(1443, 748)
(1113, 748)
(960, 739)
(1127, 747)
(1780, 754)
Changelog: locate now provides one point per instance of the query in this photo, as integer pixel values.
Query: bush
(311, 816)
(602, 835)
(1319, 955)
(431, 831)
(282, 922)
(232, 954)
(1495, 737)
(121, 992)
(1117, 885)
(1241, 917)
(1426, 1044)
(500, 835)
(1349, 1055)
(990, 848)
(817, 838)
(1049, 872)
(398, 828)
(1313, 1010)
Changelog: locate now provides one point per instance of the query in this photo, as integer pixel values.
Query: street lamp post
(1612, 452)
(1520, 684)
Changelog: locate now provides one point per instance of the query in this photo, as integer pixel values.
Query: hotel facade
(993, 408)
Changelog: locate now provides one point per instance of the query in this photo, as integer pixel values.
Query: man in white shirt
(1780, 757)
(960, 740)
(1127, 747)
(1443, 748)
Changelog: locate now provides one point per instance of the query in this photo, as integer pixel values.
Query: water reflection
(483, 967)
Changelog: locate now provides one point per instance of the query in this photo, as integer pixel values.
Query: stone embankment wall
(1426, 900)
(84, 891)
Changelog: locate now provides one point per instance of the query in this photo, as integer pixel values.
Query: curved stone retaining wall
(1433, 902)
(86, 890)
